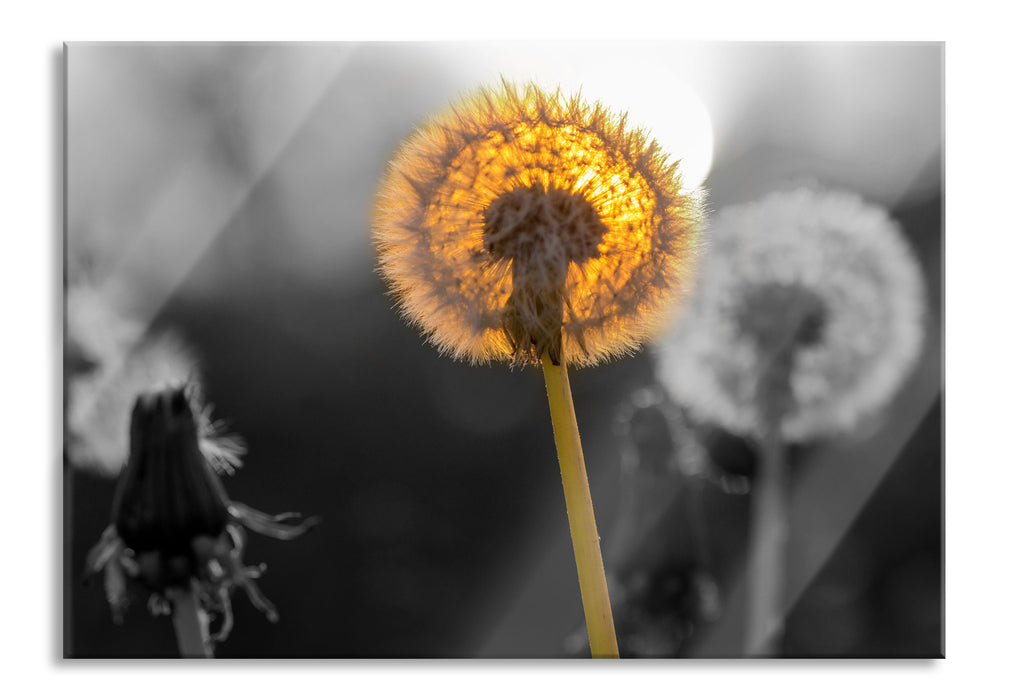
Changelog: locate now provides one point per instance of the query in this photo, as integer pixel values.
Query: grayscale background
(227, 190)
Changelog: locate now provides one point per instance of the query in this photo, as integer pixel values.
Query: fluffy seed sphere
(519, 223)
(110, 362)
(810, 299)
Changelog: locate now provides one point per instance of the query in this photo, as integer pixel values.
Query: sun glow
(645, 80)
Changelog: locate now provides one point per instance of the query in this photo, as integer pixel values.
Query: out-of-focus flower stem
(769, 539)
(191, 624)
(581, 516)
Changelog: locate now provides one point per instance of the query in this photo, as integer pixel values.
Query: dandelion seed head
(519, 221)
(820, 278)
(121, 364)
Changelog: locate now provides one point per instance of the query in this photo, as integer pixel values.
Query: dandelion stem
(581, 517)
(191, 624)
(768, 540)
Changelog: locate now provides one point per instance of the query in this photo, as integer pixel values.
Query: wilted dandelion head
(173, 525)
(519, 222)
(809, 306)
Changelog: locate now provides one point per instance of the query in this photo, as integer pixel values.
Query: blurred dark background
(228, 188)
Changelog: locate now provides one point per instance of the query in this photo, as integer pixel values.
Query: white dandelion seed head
(122, 362)
(807, 253)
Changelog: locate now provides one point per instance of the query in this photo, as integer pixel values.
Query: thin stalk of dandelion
(191, 623)
(769, 539)
(581, 515)
(797, 323)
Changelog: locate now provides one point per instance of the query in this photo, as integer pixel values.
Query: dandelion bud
(166, 496)
(173, 525)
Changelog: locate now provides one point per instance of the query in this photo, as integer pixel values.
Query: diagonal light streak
(197, 203)
(203, 202)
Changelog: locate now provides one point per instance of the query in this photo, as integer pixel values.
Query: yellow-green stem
(581, 516)
(191, 624)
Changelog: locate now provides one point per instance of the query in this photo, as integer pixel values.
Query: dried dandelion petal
(518, 222)
(820, 274)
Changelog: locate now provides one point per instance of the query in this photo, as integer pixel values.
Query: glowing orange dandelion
(518, 223)
(519, 226)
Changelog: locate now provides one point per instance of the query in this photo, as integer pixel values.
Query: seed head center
(543, 227)
(540, 231)
(782, 320)
(783, 317)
